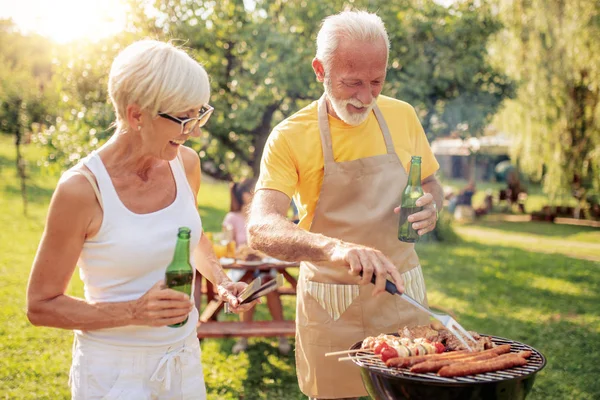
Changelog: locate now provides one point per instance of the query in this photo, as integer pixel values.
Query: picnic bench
(209, 325)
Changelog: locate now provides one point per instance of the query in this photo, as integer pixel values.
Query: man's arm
(271, 232)
(432, 185)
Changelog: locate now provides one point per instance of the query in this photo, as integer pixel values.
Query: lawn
(533, 282)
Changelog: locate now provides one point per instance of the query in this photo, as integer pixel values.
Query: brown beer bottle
(180, 273)
(408, 206)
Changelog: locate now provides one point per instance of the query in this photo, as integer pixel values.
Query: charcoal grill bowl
(382, 386)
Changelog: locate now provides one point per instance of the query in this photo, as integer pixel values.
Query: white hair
(352, 25)
(157, 76)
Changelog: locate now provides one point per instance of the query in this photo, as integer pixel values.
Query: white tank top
(130, 253)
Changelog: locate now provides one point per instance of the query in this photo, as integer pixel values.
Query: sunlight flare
(67, 20)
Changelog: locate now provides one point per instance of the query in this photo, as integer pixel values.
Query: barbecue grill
(385, 383)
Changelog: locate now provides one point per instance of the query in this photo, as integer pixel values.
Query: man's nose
(365, 94)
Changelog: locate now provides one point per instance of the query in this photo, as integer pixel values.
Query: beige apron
(356, 205)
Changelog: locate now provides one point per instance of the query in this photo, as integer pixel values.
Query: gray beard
(339, 106)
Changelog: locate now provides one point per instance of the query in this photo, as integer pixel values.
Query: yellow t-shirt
(292, 161)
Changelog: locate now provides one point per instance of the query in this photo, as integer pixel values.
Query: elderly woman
(116, 215)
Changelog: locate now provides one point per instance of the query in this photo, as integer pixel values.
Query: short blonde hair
(157, 76)
(352, 25)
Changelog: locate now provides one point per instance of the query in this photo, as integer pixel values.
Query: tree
(439, 64)
(84, 116)
(552, 49)
(24, 71)
(259, 62)
(259, 55)
(259, 58)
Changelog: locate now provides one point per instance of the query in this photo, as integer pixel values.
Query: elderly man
(345, 159)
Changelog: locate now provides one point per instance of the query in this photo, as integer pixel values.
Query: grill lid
(535, 363)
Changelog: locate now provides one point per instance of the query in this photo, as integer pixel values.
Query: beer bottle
(408, 206)
(180, 273)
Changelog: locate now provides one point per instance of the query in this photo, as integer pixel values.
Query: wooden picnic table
(210, 327)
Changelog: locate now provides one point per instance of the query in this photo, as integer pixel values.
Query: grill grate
(535, 363)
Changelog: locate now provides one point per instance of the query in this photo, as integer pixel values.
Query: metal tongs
(449, 323)
(257, 288)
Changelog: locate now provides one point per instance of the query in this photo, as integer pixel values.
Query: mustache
(359, 104)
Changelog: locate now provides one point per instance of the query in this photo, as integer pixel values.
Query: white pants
(101, 371)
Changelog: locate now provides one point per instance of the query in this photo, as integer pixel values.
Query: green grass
(541, 237)
(533, 282)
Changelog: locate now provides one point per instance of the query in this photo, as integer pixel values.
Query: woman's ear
(134, 117)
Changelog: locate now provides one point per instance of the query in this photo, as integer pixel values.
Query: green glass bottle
(412, 193)
(180, 273)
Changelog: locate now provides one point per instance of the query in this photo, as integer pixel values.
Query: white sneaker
(240, 345)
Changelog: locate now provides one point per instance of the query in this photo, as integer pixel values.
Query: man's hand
(369, 261)
(425, 220)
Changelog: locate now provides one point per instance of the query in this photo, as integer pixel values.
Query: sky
(66, 20)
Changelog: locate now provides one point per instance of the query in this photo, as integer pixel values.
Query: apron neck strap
(326, 133)
(389, 143)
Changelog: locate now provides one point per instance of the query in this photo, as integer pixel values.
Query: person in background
(464, 203)
(515, 192)
(235, 222)
(116, 215)
(348, 194)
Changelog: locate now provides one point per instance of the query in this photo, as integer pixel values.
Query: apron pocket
(334, 298)
(330, 315)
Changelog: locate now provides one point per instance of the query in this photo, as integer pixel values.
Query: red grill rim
(535, 363)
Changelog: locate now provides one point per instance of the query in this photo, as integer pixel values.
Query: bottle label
(180, 281)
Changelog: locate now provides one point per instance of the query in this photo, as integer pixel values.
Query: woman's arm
(204, 256)
(73, 215)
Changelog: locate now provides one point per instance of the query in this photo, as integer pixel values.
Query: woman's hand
(229, 291)
(161, 306)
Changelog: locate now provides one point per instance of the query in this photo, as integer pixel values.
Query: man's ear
(134, 116)
(319, 69)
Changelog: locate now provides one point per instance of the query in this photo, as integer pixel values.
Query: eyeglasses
(189, 124)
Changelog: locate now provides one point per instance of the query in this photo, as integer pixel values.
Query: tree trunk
(261, 133)
(20, 161)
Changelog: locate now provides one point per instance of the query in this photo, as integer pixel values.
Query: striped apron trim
(336, 298)
(414, 284)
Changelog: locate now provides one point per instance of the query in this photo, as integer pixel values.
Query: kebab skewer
(390, 346)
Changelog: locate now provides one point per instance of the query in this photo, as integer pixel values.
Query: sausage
(525, 353)
(478, 367)
(400, 362)
(435, 365)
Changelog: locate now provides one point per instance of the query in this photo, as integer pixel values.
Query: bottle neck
(182, 251)
(414, 175)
